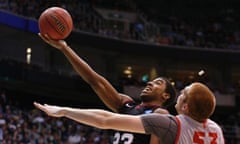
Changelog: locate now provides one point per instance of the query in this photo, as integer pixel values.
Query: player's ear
(184, 107)
(166, 96)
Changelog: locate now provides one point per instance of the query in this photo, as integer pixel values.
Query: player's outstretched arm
(95, 117)
(100, 85)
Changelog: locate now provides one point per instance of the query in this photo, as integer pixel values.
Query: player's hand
(59, 44)
(54, 111)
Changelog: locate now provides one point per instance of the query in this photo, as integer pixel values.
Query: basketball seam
(64, 20)
(53, 27)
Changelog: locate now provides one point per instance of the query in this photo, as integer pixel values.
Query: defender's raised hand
(54, 111)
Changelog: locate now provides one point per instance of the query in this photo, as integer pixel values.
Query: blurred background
(129, 43)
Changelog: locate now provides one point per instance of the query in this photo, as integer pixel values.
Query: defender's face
(153, 90)
(181, 101)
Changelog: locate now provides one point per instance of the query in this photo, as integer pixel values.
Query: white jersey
(193, 132)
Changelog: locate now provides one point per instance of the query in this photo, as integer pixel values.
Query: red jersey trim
(179, 130)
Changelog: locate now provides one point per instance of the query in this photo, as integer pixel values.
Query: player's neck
(152, 103)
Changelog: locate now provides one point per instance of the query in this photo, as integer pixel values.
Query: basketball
(56, 22)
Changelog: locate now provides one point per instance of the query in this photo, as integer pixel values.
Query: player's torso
(132, 138)
(199, 133)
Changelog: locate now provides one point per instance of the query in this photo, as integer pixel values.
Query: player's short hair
(201, 101)
(170, 89)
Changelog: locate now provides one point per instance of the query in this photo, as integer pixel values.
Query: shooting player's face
(154, 90)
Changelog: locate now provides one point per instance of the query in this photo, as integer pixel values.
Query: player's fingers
(54, 43)
(46, 39)
(39, 106)
(36, 104)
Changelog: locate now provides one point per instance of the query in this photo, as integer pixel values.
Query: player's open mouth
(147, 89)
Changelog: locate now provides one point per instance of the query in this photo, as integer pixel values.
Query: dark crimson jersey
(132, 108)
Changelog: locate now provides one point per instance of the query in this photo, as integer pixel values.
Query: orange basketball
(56, 22)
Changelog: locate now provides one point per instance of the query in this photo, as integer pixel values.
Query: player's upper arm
(159, 124)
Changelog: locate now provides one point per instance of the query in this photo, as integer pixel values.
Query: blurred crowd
(21, 124)
(219, 31)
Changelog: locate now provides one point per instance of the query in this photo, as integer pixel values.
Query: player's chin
(143, 93)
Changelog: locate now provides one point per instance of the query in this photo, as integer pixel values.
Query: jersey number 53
(200, 136)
